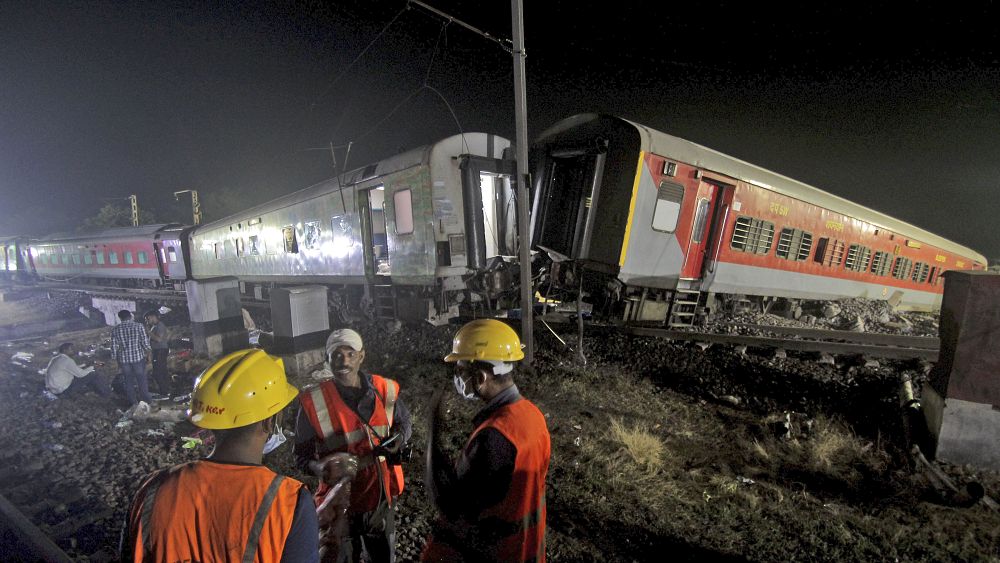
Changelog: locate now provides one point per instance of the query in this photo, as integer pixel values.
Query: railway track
(900, 349)
(840, 342)
(158, 295)
(37, 511)
(874, 345)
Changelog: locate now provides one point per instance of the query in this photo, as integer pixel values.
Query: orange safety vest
(208, 511)
(513, 529)
(339, 429)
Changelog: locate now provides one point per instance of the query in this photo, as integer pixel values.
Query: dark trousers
(134, 375)
(160, 374)
(92, 380)
(371, 532)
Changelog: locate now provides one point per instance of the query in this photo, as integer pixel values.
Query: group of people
(352, 431)
(132, 348)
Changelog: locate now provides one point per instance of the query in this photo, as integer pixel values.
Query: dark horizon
(101, 100)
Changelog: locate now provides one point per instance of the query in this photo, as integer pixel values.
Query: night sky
(896, 108)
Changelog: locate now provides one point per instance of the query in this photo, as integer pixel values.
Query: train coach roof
(112, 233)
(661, 143)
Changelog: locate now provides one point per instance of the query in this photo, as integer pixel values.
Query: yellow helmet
(239, 389)
(485, 340)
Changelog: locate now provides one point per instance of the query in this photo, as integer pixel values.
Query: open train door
(703, 224)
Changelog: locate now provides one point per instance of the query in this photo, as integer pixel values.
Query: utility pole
(522, 180)
(521, 129)
(195, 205)
(135, 209)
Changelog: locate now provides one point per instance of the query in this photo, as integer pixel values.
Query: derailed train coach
(663, 229)
(412, 236)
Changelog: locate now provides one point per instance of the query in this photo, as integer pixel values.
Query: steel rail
(928, 342)
(849, 348)
(30, 542)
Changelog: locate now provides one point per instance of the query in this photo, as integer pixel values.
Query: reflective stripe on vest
(258, 521)
(260, 517)
(339, 428)
(180, 512)
(147, 509)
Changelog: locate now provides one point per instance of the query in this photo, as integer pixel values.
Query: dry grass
(643, 447)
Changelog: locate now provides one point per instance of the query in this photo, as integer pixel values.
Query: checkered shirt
(129, 342)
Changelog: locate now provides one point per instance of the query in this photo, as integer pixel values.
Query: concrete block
(968, 432)
(213, 299)
(962, 400)
(300, 318)
(216, 316)
(218, 344)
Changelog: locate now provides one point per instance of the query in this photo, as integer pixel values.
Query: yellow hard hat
(239, 389)
(485, 340)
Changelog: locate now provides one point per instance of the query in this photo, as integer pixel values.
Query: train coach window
(65, 258)
(920, 272)
(668, 207)
(880, 263)
(100, 256)
(113, 257)
(88, 259)
(239, 246)
(829, 253)
(171, 254)
(291, 242)
(857, 258)
(311, 235)
(752, 235)
(143, 257)
(128, 257)
(794, 244)
(220, 250)
(902, 267)
(254, 242)
(402, 202)
(76, 259)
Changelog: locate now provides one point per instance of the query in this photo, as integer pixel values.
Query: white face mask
(277, 438)
(460, 387)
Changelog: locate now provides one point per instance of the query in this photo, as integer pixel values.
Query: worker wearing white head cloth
(360, 413)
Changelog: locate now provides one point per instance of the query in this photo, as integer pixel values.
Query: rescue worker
(228, 507)
(359, 413)
(492, 501)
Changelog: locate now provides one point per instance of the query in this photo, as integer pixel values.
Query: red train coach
(144, 256)
(677, 224)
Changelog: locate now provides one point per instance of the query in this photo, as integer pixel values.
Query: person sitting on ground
(63, 374)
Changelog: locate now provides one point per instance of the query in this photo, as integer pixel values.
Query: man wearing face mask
(359, 413)
(492, 501)
(227, 507)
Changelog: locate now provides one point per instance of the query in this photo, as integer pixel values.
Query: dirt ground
(660, 450)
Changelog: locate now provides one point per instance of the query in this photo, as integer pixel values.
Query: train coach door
(700, 237)
(374, 218)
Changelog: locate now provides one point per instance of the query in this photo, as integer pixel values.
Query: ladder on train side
(683, 308)
(384, 301)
